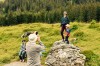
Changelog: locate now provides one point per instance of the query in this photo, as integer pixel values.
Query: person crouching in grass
(67, 33)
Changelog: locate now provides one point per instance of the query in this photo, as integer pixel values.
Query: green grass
(2, 0)
(88, 40)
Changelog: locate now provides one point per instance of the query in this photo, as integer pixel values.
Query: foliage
(79, 34)
(27, 11)
(91, 58)
(93, 24)
(74, 27)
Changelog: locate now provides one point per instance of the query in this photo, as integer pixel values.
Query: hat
(67, 25)
(32, 37)
(23, 40)
(65, 12)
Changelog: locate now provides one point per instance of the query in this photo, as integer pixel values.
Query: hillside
(13, 12)
(2, 0)
(88, 39)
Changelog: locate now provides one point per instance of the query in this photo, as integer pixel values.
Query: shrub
(91, 58)
(5, 59)
(89, 55)
(74, 27)
(93, 24)
(79, 34)
(98, 28)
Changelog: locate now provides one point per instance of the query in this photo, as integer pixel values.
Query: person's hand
(38, 39)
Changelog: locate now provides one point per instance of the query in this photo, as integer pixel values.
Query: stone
(62, 54)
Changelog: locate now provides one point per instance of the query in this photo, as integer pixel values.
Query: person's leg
(67, 39)
(23, 55)
(62, 30)
(20, 57)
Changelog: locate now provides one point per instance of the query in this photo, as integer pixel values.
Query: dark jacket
(64, 21)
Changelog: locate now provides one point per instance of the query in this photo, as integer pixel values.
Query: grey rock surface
(62, 54)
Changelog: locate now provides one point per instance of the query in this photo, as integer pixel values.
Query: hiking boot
(66, 42)
(20, 60)
(63, 40)
(23, 60)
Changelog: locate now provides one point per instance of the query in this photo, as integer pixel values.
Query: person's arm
(41, 44)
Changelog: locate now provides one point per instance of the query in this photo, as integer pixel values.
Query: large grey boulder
(62, 54)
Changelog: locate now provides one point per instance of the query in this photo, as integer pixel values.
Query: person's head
(35, 32)
(33, 37)
(67, 26)
(23, 41)
(65, 13)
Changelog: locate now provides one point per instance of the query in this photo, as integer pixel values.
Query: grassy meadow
(2, 0)
(87, 34)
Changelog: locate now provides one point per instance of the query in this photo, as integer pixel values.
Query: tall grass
(88, 39)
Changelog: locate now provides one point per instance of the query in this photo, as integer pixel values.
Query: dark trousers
(22, 55)
(66, 39)
(63, 27)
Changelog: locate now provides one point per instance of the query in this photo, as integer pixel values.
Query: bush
(2, 20)
(79, 34)
(91, 58)
(98, 28)
(5, 59)
(76, 12)
(93, 24)
(74, 27)
(89, 55)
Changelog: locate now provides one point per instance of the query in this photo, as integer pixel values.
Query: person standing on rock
(67, 33)
(64, 22)
(33, 50)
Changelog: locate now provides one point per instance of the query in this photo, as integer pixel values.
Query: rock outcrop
(62, 54)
